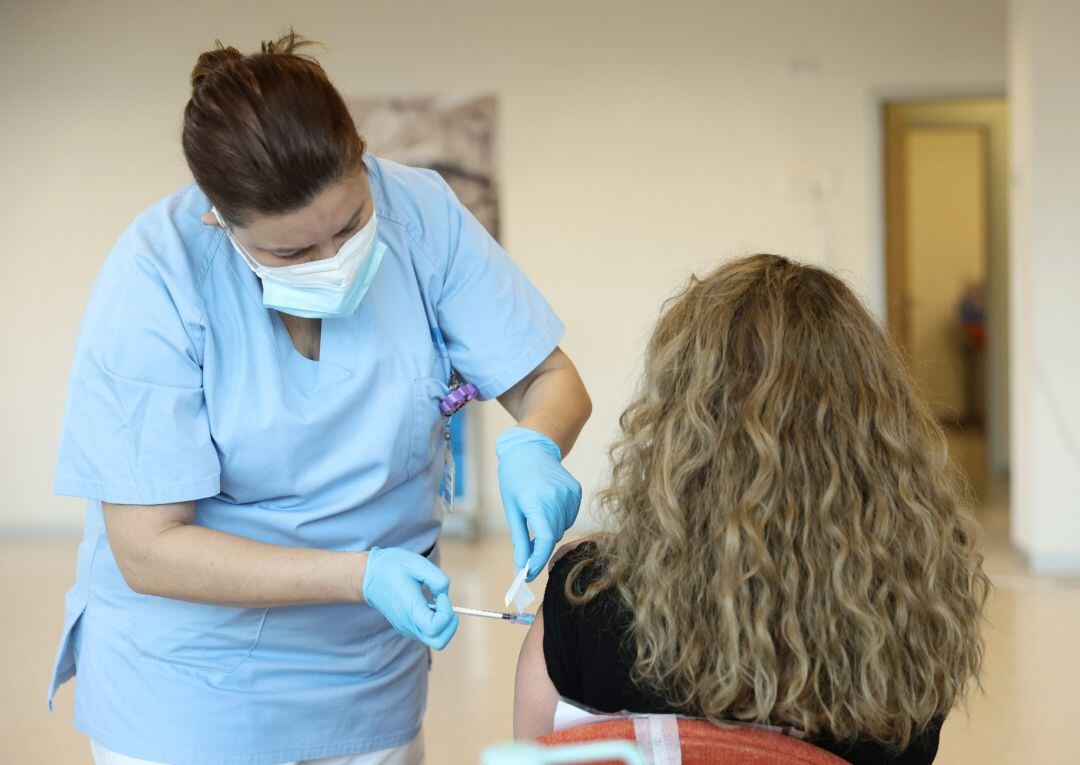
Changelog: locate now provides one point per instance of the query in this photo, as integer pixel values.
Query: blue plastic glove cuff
(371, 554)
(518, 436)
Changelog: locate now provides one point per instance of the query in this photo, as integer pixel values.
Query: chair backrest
(702, 743)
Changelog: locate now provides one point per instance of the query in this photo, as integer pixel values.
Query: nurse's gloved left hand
(393, 582)
(538, 491)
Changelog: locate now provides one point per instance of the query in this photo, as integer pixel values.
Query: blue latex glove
(392, 585)
(537, 493)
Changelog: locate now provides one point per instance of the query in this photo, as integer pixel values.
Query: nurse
(254, 418)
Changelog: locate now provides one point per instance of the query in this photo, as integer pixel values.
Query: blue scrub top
(185, 387)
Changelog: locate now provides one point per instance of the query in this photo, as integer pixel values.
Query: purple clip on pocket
(458, 398)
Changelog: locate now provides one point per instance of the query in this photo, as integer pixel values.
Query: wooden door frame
(897, 125)
(897, 110)
(897, 117)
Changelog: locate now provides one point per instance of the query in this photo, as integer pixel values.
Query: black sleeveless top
(589, 661)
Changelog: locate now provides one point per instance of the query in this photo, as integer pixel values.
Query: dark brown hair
(266, 133)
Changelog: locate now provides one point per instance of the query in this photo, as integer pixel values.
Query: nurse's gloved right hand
(392, 585)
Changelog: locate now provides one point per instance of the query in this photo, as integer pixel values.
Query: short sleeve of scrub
(497, 326)
(135, 426)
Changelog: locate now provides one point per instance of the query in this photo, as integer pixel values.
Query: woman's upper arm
(133, 530)
(512, 399)
(535, 697)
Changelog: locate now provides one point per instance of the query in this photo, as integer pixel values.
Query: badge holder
(460, 394)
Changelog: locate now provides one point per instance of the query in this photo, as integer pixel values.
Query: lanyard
(461, 393)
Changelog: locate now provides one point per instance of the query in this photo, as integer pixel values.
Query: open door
(946, 173)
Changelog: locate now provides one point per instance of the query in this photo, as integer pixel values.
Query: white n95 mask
(321, 289)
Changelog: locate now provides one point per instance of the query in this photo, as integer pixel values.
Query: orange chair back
(702, 743)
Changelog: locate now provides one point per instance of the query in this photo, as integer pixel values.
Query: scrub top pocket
(427, 422)
(196, 635)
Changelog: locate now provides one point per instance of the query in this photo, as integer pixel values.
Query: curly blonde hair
(790, 535)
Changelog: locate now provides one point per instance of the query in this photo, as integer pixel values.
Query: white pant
(411, 753)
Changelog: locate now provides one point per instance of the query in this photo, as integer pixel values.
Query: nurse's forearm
(160, 552)
(210, 566)
(551, 400)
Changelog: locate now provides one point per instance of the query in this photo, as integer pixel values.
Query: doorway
(946, 216)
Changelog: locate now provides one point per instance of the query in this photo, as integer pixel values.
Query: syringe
(516, 618)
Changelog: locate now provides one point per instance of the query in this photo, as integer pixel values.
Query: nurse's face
(314, 232)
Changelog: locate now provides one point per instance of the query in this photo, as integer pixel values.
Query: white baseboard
(1051, 563)
(60, 530)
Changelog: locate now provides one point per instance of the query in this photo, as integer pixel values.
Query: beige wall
(1045, 108)
(638, 141)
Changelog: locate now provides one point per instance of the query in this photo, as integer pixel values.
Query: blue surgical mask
(321, 289)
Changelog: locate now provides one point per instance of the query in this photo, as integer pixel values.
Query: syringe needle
(517, 618)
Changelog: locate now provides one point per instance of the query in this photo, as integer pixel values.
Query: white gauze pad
(519, 593)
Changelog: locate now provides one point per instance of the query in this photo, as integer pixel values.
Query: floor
(1028, 712)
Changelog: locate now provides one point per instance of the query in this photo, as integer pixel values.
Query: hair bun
(222, 57)
(213, 61)
(288, 44)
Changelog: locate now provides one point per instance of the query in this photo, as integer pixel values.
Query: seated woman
(791, 545)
